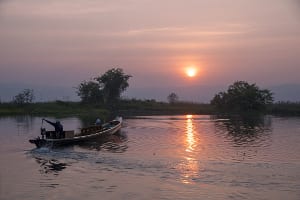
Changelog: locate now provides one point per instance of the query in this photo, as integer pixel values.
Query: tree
(25, 97)
(172, 98)
(242, 96)
(106, 88)
(89, 92)
(113, 83)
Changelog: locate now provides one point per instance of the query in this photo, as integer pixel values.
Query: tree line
(240, 96)
(107, 88)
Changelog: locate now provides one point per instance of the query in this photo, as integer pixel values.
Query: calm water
(165, 157)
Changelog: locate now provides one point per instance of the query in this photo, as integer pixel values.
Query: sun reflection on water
(190, 167)
(189, 133)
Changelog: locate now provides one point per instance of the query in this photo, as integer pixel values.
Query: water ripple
(165, 157)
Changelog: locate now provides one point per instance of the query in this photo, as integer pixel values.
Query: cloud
(55, 9)
(232, 38)
(186, 31)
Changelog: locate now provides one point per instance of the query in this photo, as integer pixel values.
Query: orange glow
(192, 166)
(189, 116)
(191, 71)
(190, 134)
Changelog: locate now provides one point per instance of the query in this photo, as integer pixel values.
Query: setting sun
(191, 71)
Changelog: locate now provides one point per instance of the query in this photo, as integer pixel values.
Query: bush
(25, 97)
(242, 96)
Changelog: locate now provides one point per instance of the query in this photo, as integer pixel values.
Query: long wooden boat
(50, 138)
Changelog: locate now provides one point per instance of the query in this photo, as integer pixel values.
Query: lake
(156, 157)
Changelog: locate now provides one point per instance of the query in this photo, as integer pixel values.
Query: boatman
(58, 128)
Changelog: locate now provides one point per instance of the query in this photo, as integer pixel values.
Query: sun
(191, 71)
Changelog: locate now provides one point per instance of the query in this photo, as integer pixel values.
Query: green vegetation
(101, 98)
(151, 107)
(57, 108)
(25, 97)
(242, 97)
(89, 92)
(284, 108)
(128, 108)
(106, 88)
(124, 108)
(173, 98)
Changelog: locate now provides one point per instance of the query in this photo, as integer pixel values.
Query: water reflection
(57, 158)
(195, 158)
(50, 165)
(116, 143)
(24, 123)
(246, 129)
(190, 133)
(190, 168)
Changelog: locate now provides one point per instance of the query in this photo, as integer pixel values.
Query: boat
(50, 138)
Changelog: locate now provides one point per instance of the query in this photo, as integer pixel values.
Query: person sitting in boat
(98, 122)
(59, 129)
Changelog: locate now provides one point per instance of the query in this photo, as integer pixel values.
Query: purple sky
(61, 43)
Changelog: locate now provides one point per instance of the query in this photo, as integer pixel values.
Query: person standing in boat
(59, 129)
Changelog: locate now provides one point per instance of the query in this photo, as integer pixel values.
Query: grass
(128, 108)
(151, 107)
(285, 108)
(57, 108)
(124, 108)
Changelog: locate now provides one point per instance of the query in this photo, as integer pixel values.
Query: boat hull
(108, 129)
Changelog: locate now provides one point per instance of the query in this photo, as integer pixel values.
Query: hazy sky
(62, 42)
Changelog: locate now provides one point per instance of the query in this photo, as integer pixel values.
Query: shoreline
(132, 108)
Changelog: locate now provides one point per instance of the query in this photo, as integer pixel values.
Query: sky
(51, 46)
